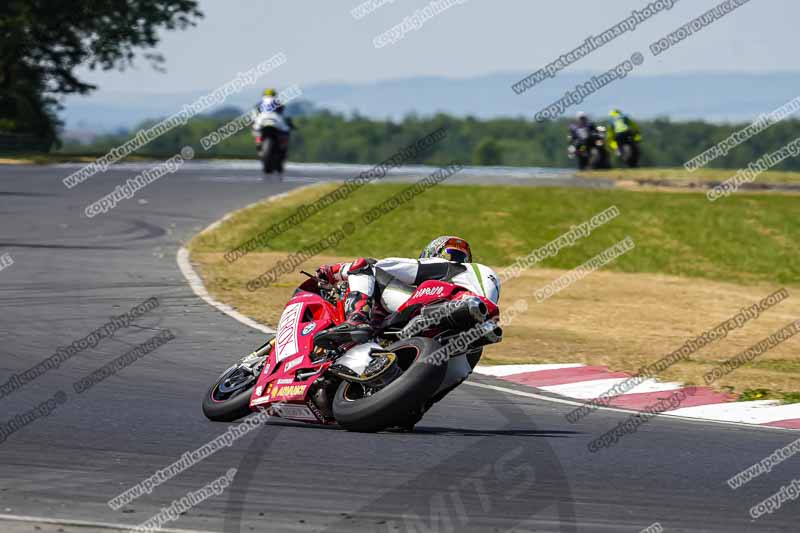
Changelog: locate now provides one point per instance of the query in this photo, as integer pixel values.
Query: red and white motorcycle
(310, 372)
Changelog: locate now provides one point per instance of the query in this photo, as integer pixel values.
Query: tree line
(326, 136)
(43, 43)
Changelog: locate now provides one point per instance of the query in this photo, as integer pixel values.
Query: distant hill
(707, 96)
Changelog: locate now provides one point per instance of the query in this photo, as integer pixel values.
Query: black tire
(630, 154)
(267, 159)
(594, 159)
(583, 161)
(635, 154)
(227, 408)
(402, 399)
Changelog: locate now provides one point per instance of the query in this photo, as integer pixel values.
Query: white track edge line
(88, 523)
(196, 282)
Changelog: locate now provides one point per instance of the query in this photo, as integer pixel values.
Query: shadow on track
(493, 433)
(501, 484)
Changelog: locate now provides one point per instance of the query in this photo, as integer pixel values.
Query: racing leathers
(367, 279)
(581, 133)
(269, 104)
(622, 130)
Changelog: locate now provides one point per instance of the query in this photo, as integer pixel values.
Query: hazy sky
(323, 42)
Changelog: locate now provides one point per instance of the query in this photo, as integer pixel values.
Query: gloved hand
(326, 276)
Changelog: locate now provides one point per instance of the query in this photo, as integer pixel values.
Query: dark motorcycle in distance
(589, 148)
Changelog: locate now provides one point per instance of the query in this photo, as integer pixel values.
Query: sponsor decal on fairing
(286, 338)
(429, 291)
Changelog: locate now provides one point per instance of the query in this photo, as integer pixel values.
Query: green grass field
(746, 238)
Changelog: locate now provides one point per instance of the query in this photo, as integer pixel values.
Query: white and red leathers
(369, 279)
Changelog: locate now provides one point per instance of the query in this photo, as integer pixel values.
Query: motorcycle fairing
(278, 389)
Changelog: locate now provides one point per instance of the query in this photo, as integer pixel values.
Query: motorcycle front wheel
(229, 398)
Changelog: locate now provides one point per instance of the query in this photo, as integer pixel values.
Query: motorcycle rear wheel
(630, 154)
(402, 399)
(267, 159)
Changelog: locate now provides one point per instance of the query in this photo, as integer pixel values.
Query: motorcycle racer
(269, 120)
(582, 131)
(270, 102)
(623, 130)
(368, 279)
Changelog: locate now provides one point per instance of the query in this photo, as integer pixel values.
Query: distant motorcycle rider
(587, 144)
(441, 259)
(270, 111)
(623, 131)
(270, 102)
(582, 131)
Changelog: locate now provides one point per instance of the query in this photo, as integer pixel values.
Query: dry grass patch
(682, 176)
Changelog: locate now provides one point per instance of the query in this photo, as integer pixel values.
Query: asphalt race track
(482, 460)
